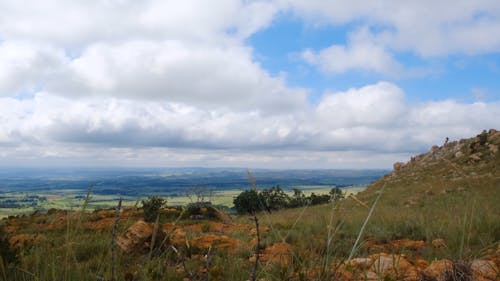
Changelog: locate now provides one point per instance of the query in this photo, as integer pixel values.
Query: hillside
(436, 217)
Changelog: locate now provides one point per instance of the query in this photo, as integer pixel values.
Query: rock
(476, 157)
(493, 148)
(394, 267)
(459, 154)
(438, 243)
(435, 148)
(398, 166)
(359, 264)
(438, 270)
(215, 241)
(104, 223)
(407, 244)
(279, 253)
(136, 238)
(484, 270)
(25, 240)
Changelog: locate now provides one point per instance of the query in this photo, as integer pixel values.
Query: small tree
(247, 202)
(336, 193)
(152, 207)
(298, 199)
(483, 137)
(274, 198)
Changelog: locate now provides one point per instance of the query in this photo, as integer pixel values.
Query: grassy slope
(439, 195)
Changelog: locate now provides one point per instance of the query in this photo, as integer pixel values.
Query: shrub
(247, 202)
(152, 206)
(9, 255)
(336, 193)
(274, 198)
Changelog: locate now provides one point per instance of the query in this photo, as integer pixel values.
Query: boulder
(394, 267)
(398, 166)
(484, 270)
(221, 242)
(438, 270)
(438, 243)
(136, 238)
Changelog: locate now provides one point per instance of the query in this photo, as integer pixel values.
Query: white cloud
(428, 28)
(24, 67)
(138, 82)
(174, 71)
(367, 122)
(359, 54)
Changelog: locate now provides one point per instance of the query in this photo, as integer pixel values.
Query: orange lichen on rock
(104, 223)
(25, 240)
(438, 270)
(136, 238)
(279, 253)
(222, 242)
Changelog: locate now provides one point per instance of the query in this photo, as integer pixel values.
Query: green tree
(247, 202)
(152, 206)
(298, 199)
(274, 198)
(336, 193)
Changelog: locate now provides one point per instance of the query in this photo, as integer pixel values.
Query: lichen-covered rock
(438, 270)
(438, 243)
(484, 270)
(136, 238)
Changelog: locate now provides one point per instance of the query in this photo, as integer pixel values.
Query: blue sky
(463, 77)
(263, 83)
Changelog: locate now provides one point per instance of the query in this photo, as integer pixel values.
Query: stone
(136, 238)
(438, 243)
(394, 267)
(398, 166)
(25, 240)
(438, 270)
(493, 148)
(484, 270)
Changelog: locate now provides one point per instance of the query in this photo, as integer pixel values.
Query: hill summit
(456, 164)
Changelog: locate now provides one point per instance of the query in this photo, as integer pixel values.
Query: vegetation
(151, 207)
(274, 198)
(449, 196)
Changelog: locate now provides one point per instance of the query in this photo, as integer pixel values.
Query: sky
(280, 84)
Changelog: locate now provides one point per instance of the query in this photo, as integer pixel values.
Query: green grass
(456, 201)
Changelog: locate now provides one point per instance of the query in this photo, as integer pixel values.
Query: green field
(69, 199)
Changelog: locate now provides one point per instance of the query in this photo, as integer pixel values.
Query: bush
(247, 202)
(274, 198)
(336, 193)
(9, 255)
(152, 207)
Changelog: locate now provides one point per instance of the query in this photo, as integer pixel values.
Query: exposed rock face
(136, 238)
(398, 166)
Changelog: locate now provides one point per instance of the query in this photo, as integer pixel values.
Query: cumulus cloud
(428, 28)
(372, 120)
(153, 83)
(361, 53)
